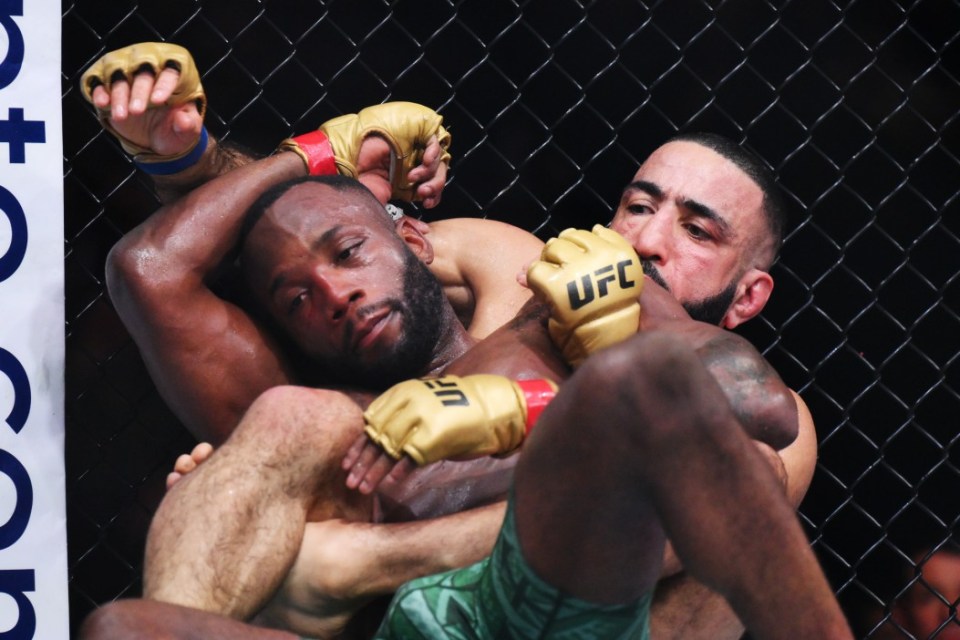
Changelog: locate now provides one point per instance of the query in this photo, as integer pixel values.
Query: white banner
(33, 541)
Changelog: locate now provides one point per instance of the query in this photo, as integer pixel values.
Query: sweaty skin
(765, 407)
(466, 283)
(525, 339)
(521, 349)
(536, 343)
(162, 276)
(209, 357)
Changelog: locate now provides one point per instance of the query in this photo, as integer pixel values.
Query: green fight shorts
(501, 597)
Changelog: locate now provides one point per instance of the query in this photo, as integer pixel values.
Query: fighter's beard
(710, 309)
(422, 318)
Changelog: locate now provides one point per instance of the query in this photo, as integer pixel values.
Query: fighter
(631, 210)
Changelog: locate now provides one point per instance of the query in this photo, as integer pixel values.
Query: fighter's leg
(642, 436)
(227, 533)
(685, 609)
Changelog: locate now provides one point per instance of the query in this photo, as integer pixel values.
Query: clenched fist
(592, 282)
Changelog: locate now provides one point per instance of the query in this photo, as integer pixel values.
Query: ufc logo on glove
(448, 393)
(603, 276)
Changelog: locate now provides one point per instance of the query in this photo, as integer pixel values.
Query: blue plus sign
(17, 132)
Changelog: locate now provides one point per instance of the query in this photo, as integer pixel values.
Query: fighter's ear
(414, 233)
(753, 291)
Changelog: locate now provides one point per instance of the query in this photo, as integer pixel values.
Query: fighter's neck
(454, 341)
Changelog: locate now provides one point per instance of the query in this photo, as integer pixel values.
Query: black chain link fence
(553, 104)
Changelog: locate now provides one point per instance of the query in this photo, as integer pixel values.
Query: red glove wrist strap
(537, 394)
(319, 152)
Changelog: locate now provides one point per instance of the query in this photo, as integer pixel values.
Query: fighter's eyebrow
(321, 240)
(698, 208)
(325, 237)
(276, 284)
(710, 214)
(647, 187)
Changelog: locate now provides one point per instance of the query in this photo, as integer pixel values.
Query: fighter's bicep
(210, 361)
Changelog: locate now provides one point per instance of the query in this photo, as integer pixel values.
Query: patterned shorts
(501, 597)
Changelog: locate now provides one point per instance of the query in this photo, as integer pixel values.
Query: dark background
(553, 104)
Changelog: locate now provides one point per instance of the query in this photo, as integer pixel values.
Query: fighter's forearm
(158, 278)
(219, 158)
(191, 237)
(375, 559)
(343, 565)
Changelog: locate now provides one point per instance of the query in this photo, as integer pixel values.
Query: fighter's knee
(299, 416)
(651, 383)
(644, 363)
(276, 401)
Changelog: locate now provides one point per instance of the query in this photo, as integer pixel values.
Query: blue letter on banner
(16, 583)
(10, 66)
(21, 390)
(10, 261)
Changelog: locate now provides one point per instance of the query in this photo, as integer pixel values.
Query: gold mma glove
(406, 126)
(456, 417)
(125, 63)
(592, 282)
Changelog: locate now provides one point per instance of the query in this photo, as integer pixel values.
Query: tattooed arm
(763, 403)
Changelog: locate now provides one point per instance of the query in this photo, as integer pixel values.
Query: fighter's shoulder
(804, 416)
(800, 458)
(485, 255)
(478, 260)
(476, 233)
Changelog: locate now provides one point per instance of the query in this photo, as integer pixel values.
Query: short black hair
(774, 204)
(271, 195)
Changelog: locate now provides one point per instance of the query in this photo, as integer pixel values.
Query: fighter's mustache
(360, 319)
(650, 270)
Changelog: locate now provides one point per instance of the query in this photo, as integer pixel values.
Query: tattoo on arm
(757, 394)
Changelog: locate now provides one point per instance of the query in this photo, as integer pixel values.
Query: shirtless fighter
(636, 211)
(666, 455)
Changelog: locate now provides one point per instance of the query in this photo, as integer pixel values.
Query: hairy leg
(641, 442)
(684, 609)
(226, 534)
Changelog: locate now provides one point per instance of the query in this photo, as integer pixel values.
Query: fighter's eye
(697, 232)
(296, 302)
(347, 252)
(639, 209)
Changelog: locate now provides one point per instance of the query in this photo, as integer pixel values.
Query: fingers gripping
(408, 143)
(388, 422)
(570, 246)
(406, 126)
(558, 253)
(408, 129)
